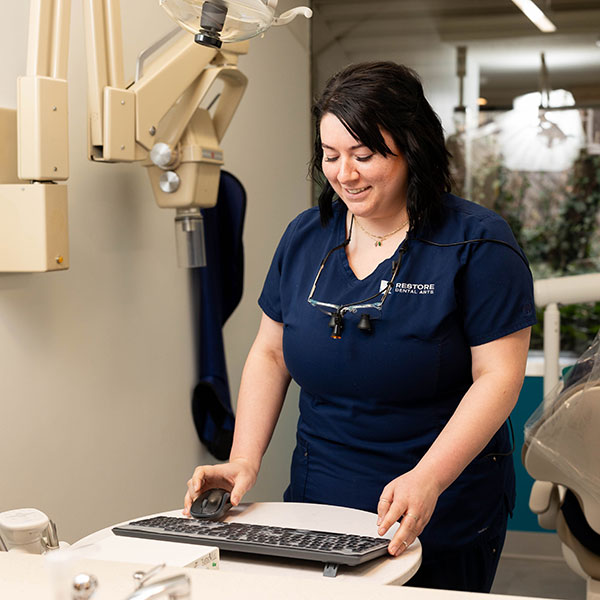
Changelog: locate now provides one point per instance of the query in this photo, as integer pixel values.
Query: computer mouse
(211, 505)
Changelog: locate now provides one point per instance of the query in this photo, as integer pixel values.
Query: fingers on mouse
(211, 505)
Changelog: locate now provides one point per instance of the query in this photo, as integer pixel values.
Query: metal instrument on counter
(84, 586)
(176, 587)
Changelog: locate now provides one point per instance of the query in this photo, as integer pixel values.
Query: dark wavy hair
(371, 96)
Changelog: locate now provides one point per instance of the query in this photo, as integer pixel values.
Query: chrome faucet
(173, 588)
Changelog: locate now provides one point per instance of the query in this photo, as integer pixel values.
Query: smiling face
(371, 185)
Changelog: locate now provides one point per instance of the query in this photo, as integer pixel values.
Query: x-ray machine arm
(155, 120)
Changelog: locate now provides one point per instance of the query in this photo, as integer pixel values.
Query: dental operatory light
(216, 21)
(534, 137)
(541, 139)
(213, 23)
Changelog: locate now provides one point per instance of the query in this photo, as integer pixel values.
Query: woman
(403, 402)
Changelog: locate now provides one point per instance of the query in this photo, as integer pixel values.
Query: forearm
(482, 411)
(265, 380)
(498, 368)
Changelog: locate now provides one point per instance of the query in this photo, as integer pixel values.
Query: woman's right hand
(237, 477)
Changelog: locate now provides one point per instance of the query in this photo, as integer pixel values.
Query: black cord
(396, 268)
(512, 443)
(519, 254)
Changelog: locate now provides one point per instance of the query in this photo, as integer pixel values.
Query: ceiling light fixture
(535, 14)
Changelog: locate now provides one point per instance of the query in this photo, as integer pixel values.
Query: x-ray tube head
(189, 237)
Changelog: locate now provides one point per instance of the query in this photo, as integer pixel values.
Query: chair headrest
(563, 446)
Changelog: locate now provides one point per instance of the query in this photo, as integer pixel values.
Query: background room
(99, 361)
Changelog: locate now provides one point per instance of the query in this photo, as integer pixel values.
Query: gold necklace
(379, 239)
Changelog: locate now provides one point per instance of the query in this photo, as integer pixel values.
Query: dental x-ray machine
(155, 120)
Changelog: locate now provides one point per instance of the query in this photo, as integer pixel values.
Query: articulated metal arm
(159, 111)
(157, 119)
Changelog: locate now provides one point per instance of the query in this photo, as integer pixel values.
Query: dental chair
(562, 453)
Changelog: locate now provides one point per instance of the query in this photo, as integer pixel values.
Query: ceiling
(503, 41)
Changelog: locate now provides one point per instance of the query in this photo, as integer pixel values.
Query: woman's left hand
(411, 496)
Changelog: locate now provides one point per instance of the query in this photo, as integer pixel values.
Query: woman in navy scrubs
(404, 313)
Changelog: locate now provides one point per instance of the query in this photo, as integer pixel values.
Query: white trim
(535, 362)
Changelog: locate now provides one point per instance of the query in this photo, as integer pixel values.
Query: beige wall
(268, 147)
(96, 363)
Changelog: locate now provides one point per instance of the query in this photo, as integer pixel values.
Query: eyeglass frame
(354, 307)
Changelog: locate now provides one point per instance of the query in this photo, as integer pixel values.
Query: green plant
(561, 238)
(509, 200)
(578, 222)
(579, 324)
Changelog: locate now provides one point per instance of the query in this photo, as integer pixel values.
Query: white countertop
(27, 577)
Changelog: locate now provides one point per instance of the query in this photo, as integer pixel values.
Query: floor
(539, 577)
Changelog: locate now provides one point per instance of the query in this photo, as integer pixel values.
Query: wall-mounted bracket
(33, 228)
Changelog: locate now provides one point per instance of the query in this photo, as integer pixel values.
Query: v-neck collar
(342, 258)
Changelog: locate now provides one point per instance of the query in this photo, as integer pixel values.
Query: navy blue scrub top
(372, 404)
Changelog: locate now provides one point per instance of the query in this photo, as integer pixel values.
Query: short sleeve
(495, 289)
(270, 297)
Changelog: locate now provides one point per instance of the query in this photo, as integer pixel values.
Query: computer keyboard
(330, 548)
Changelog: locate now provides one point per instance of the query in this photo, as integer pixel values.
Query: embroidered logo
(403, 287)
